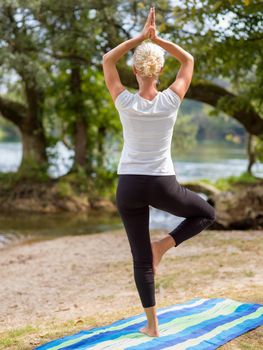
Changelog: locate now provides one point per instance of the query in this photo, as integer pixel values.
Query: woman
(146, 173)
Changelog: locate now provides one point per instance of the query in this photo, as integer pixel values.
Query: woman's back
(147, 132)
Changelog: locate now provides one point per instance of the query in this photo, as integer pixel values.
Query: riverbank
(77, 192)
(59, 286)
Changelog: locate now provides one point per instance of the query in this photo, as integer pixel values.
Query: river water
(207, 160)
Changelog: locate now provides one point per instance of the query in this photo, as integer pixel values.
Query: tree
(73, 32)
(19, 53)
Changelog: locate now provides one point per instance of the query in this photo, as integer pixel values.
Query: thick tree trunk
(34, 150)
(32, 133)
(80, 137)
(80, 126)
(28, 117)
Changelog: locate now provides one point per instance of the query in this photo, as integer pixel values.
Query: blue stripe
(195, 331)
(229, 334)
(163, 318)
(59, 341)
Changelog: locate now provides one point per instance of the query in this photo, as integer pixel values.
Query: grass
(15, 337)
(26, 338)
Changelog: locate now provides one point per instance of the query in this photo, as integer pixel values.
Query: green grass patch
(227, 183)
(14, 337)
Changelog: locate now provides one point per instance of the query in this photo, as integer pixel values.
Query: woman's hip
(134, 190)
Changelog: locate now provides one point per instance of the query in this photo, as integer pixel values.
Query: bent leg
(168, 195)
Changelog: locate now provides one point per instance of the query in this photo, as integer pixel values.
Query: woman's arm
(185, 73)
(175, 50)
(111, 75)
(110, 58)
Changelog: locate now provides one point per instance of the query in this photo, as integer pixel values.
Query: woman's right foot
(158, 252)
(150, 332)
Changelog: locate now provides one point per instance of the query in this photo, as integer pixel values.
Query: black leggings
(134, 194)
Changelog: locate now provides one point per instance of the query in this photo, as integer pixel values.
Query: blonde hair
(148, 58)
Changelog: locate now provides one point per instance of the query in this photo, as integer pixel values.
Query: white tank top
(147, 132)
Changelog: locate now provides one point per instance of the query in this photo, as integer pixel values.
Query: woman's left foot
(150, 332)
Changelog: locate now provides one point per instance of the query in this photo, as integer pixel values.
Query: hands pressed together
(149, 30)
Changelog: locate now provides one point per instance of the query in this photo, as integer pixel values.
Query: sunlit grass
(227, 183)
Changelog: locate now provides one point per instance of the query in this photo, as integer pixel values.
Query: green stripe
(226, 307)
(217, 330)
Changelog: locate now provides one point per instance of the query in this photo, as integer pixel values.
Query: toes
(143, 330)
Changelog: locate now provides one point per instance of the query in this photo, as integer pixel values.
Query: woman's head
(148, 60)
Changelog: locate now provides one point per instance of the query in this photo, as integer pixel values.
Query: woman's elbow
(188, 60)
(190, 57)
(104, 57)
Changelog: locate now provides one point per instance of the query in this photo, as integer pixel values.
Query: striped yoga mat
(199, 324)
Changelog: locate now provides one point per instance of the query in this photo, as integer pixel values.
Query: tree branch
(14, 111)
(209, 93)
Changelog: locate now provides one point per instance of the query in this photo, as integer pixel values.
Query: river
(207, 160)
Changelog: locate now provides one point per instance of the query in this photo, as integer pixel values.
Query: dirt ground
(70, 278)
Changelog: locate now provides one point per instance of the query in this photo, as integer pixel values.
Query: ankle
(167, 243)
(171, 242)
(153, 324)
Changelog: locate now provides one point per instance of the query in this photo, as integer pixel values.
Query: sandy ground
(72, 277)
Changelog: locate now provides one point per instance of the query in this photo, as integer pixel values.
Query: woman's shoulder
(123, 99)
(172, 96)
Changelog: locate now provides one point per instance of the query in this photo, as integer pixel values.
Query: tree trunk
(80, 126)
(34, 150)
(32, 133)
(101, 148)
(80, 137)
(250, 153)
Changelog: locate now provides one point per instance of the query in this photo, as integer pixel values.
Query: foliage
(227, 183)
(10, 179)
(105, 183)
(64, 189)
(185, 131)
(225, 37)
(76, 180)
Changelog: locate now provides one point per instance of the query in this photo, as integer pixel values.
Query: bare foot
(157, 254)
(150, 332)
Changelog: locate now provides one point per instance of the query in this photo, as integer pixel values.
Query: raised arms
(185, 73)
